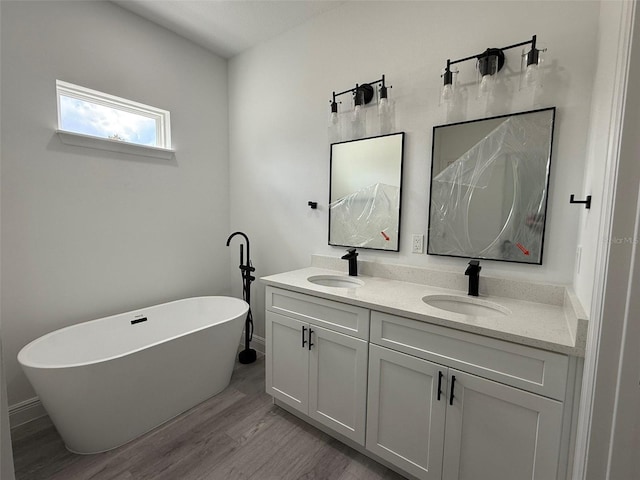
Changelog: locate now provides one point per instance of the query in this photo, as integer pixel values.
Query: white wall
(279, 103)
(615, 419)
(88, 233)
(6, 452)
(624, 461)
(603, 105)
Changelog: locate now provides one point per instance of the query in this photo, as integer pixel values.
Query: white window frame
(161, 117)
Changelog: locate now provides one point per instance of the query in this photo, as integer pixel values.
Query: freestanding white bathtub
(108, 381)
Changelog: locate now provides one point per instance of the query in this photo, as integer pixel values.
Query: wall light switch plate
(417, 243)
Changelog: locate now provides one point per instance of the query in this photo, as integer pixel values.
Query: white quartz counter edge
(534, 324)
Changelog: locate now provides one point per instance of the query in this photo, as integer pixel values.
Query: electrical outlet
(417, 244)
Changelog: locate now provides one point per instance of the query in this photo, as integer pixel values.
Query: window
(95, 114)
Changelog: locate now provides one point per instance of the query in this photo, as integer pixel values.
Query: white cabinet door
(498, 432)
(287, 360)
(338, 382)
(406, 414)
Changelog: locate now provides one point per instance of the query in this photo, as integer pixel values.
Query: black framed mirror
(365, 192)
(489, 187)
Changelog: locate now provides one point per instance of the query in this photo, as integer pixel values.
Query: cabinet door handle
(304, 341)
(453, 384)
(440, 375)
(310, 344)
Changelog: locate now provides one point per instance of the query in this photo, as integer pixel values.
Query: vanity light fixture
(362, 95)
(448, 91)
(386, 112)
(490, 62)
(335, 125)
(530, 75)
(359, 116)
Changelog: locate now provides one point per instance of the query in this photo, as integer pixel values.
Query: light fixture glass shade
(487, 69)
(530, 68)
(486, 85)
(449, 87)
(446, 95)
(335, 124)
(386, 113)
(358, 117)
(531, 74)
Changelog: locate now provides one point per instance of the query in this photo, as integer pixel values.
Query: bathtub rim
(24, 350)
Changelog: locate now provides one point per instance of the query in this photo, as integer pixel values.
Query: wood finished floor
(237, 435)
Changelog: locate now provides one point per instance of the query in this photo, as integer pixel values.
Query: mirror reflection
(364, 192)
(489, 184)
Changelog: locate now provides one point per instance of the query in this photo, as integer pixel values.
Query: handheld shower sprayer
(248, 355)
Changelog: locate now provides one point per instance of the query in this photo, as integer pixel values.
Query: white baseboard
(257, 343)
(25, 411)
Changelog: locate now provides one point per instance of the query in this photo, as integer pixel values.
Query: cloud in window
(89, 118)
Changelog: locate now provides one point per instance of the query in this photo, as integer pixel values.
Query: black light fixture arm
(522, 44)
(365, 88)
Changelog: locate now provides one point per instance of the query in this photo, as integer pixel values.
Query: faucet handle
(351, 253)
(473, 268)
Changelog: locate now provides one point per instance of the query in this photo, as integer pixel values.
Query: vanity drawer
(336, 316)
(524, 367)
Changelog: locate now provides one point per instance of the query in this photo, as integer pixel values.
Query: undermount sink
(336, 281)
(466, 305)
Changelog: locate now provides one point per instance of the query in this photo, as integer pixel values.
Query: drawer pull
(439, 384)
(304, 341)
(453, 384)
(310, 344)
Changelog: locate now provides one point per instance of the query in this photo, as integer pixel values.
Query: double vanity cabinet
(431, 401)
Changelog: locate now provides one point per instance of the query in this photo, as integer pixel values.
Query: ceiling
(228, 27)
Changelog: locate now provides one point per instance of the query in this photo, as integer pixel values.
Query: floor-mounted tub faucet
(473, 271)
(248, 355)
(352, 257)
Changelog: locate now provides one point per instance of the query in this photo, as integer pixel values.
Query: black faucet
(473, 270)
(352, 257)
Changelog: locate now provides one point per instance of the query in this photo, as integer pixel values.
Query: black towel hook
(587, 202)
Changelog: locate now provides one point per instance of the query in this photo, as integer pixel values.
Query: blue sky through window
(88, 118)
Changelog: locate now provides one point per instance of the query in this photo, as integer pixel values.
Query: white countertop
(535, 324)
